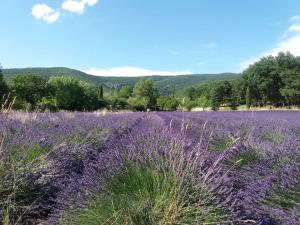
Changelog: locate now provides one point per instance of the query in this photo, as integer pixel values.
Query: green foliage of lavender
(143, 195)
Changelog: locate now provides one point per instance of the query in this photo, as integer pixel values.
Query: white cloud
(91, 2)
(294, 18)
(73, 6)
(132, 72)
(295, 28)
(46, 13)
(77, 6)
(290, 42)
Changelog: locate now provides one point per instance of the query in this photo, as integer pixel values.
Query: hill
(165, 84)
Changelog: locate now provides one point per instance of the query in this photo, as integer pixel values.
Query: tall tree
(125, 92)
(167, 103)
(68, 92)
(203, 102)
(291, 89)
(101, 91)
(93, 96)
(3, 87)
(191, 93)
(29, 88)
(248, 98)
(238, 90)
(216, 98)
(265, 81)
(144, 95)
(289, 69)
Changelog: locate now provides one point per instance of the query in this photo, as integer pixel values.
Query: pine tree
(215, 99)
(101, 92)
(248, 98)
(3, 87)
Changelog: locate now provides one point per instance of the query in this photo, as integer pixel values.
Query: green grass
(145, 195)
(20, 161)
(280, 162)
(248, 158)
(273, 137)
(5, 219)
(2, 176)
(26, 153)
(83, 138)
(220, 144)
(285, 199)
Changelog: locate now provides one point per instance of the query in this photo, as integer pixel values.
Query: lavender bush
(150, 168)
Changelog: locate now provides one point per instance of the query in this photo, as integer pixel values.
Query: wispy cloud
(201, 63)
(290, 42)
(294, 18)
(45, 12)
(77, 6)
(209, 45)
(207, 48)
(128, 71)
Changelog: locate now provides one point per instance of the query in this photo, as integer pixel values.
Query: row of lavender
(235, 168)
(39, 152)
(148, 175)
(263, 168)
(154, 168)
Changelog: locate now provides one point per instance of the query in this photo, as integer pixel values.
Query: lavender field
(150, 168)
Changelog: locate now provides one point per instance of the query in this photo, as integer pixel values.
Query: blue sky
(141, 37)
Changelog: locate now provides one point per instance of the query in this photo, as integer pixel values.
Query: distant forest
(272, 81)
(164, 84)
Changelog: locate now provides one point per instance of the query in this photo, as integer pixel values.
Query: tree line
(32, 92)
(273, 81)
